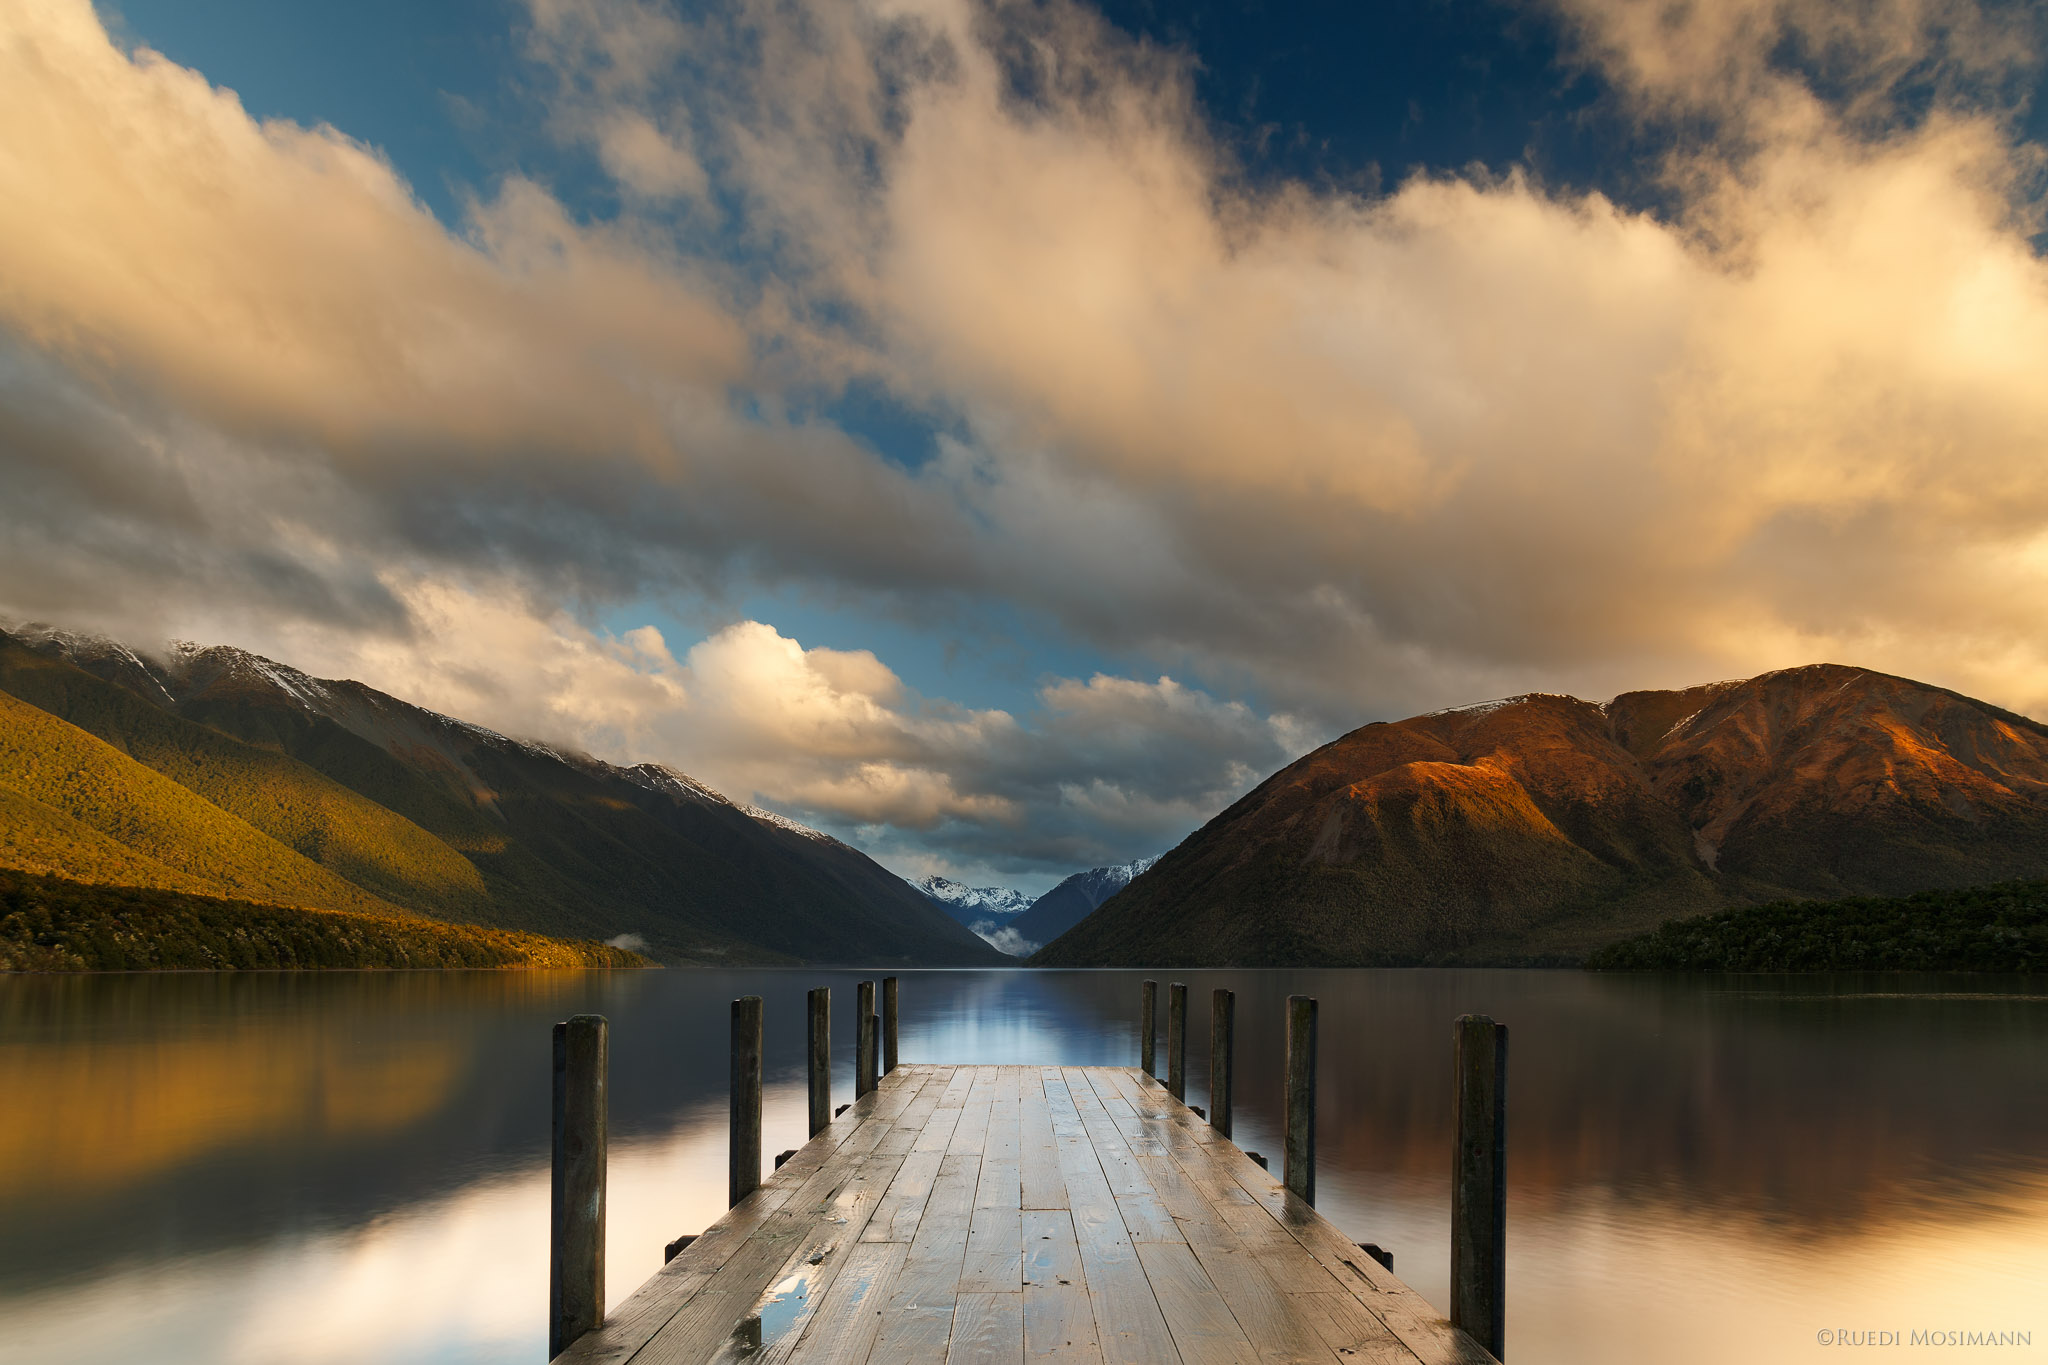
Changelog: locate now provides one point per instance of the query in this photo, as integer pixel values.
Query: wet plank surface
(1023, 1213)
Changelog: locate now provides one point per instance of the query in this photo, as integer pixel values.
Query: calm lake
(274, 1168)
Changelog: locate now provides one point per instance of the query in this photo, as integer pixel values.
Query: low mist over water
(346, 1167)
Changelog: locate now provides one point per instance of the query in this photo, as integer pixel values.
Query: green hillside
(49, 924)
(216, 772)
(40, 839)
(58, 766)
(351, 836)
(1999, 928)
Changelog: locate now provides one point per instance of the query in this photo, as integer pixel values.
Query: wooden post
(863, 1039)
(1177, 1041)
(576, 1247)
(1222, 1047)
(1299, 1163)
(745, 1152)
(888, 1024)
(821, 1059)
(1148, 1030)
(1479, 1184)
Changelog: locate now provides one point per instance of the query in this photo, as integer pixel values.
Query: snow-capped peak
(658, 777)
(769, 817)
(994, 901)
(302, 688)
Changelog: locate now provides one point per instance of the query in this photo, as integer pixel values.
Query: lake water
(278, 1169)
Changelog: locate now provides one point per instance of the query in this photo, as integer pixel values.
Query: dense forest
(1997, 928)
(49, 924)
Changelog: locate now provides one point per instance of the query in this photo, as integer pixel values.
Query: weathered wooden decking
(1023, 1213)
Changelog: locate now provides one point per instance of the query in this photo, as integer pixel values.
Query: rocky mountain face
(1074, 899)
(1541, 827)
(334, 786)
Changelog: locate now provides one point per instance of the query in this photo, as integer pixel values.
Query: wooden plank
(1038, 1158)
(994, 1263)
(904, 1234)
(995, 1238)
(1147, 1218)
(1128, 1326)
(897, 1216)
(1119, 1109)
(1215, 1165)
(988, 1329)
(843, 1328)
(938, 1129)
(1059, 1321)
(804, 1177)
(1247, 1284)
(1092, 1105)
(784, 1308)
(1407, 1314)
(828, 1207)
(1354, 1334)
(907, 1127)
(917, 1321)
(956, 1092)
(970, 1136)
(1059, 1104)
(1176, 1193)
(1203, 1329)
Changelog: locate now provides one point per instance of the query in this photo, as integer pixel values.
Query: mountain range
(973, 905)
(1538, 828)
(220, 773)
(1017, 924)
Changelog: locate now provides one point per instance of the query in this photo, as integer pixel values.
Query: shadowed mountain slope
(1074, 899)
(1541, 827)
(455, 821)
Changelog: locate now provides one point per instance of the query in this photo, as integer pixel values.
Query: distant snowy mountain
(970, 903)
(1072, 901)
(987, 910)
(1020, 926)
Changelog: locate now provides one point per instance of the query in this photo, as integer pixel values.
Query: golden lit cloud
(1351, 455)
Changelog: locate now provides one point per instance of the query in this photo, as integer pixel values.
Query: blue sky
(1001, 433)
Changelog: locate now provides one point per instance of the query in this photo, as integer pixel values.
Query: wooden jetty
(1016, 1214)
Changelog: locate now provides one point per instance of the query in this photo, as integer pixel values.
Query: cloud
(1097, 771)
(1006, 939)
(1346, 456)
(1387, 451)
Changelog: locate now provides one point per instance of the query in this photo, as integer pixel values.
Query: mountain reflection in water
(344, 1167)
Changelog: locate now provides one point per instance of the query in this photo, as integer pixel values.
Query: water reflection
(352, 1167)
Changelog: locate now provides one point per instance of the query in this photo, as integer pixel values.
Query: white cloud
(1098, 771)
(1350, 455)
(1006, 939)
